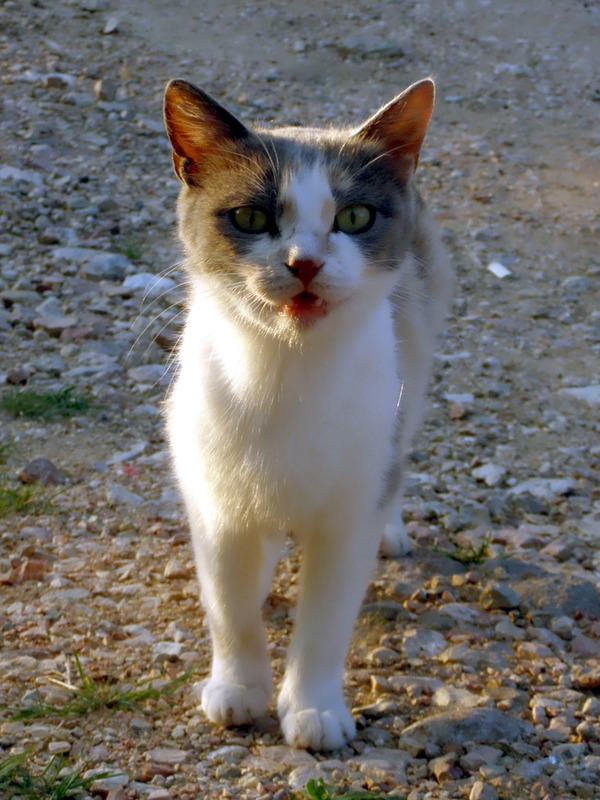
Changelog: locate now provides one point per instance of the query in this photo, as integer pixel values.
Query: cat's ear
(198, 127)
(401, 124)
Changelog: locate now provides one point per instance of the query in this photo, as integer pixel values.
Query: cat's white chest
(278, 434)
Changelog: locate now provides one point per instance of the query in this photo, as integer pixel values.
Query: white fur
(275, 429)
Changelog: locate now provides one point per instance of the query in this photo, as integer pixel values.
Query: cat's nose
(304, 268)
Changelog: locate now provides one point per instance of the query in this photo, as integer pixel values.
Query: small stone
(148, 373)
(420, 642)
(159, 794)
(228, 754)
(59, 747)
(175, 570)
(55, 324)
(483, 791)
(490, 474)
(444, 768)
(104, 785)
(590, 394)
(111, 26)
(32, 569)
(563, 627)
(591, 707)
(499, 596)
(533, 651)
(479, 725)
(479, 756)
(545, 489)
(105, 267)
(167, 755)
(167, 651)
(587, 678)
(453, 697)
(43, 470)
(149, 284)
(117, 794)
(119, 495)
(585, 646)
(105, 90)
(383, 656)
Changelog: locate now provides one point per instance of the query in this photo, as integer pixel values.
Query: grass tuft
(15, 497)
(54, 782)
(92, 695)
(45, 405)
(318, 790)
(471, 555)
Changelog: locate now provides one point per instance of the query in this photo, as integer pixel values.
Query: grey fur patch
(358, 172)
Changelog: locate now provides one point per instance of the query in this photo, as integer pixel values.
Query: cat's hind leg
(240, 685)
(395, 541)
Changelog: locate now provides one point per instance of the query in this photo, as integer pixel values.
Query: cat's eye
(356, 218)
(251, 219)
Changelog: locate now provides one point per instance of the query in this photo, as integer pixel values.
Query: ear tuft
(198, 127)
(401, 124)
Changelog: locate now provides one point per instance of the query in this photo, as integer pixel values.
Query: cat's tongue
(305, 304)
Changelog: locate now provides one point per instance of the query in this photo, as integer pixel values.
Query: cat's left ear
(401, 124)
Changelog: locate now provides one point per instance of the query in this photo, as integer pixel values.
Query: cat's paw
(314, 729)
(395, 541)
(233, 704)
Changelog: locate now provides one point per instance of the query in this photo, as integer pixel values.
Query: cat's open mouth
(305, 305)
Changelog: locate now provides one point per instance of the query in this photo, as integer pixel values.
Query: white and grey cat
(317, 283)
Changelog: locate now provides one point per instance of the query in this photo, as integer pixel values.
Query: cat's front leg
(230, 570)
(335, 572)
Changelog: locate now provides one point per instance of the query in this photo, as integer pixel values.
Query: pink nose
(305, 269)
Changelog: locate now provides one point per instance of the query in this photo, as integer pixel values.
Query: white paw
(233, 704)
(395, 541)
(318, 730)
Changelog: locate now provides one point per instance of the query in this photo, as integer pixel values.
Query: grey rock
(564, 595)
(167, 651)
(119, 495)
(43, 470)
(455, 697)
(490, 474)
(228, 754)
(480, 725)
(420, 642)
(499, 596)
(545, 489)
(149, 284)
(590, 394)
(383, 656)
(365, 47)
(387, 609)
(148, 373)
(483, 791)
(9, 173)
(477, 756)
(106, 266)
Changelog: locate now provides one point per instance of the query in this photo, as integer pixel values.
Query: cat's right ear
(198, 127)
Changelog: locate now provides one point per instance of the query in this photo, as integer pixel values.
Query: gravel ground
(474, 671)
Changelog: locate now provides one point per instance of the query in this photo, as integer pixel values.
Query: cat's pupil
(354, 219)
(250, 219)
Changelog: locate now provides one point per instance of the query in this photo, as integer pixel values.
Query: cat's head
(288, 226)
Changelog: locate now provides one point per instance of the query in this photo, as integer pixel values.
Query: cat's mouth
(305, 305)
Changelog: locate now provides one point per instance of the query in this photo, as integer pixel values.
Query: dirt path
(492, 654)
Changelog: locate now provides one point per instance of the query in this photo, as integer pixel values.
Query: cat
(317, 283)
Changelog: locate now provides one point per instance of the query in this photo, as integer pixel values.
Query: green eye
(354, 219)
(251, 219)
